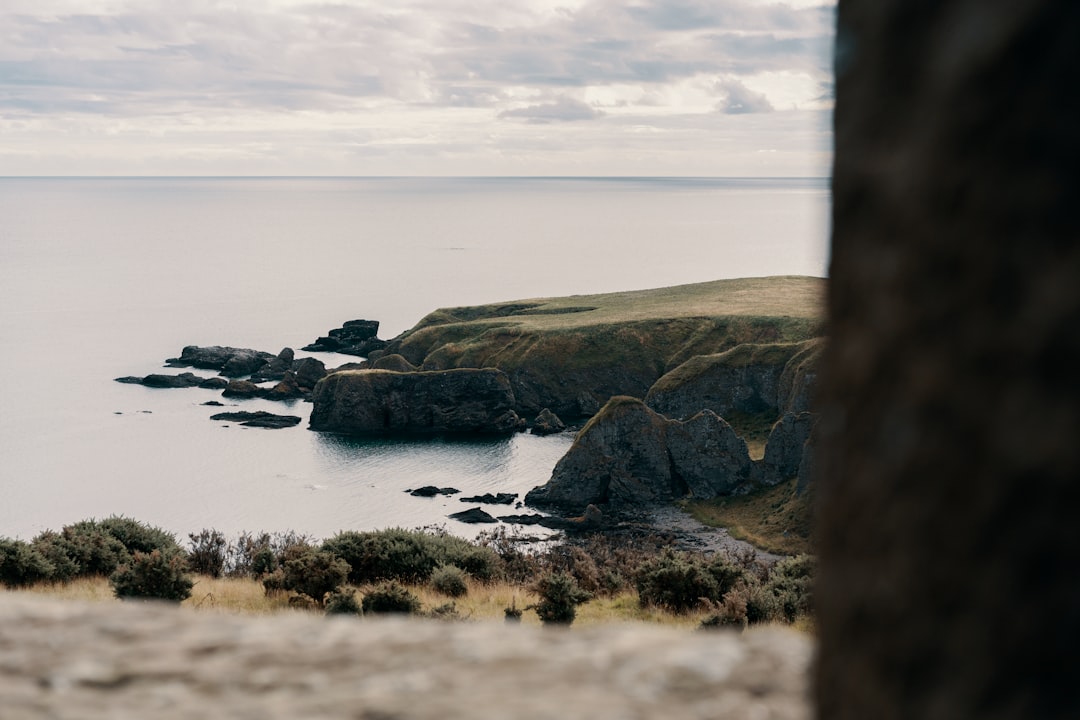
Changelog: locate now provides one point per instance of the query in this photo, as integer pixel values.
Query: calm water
(107, 277)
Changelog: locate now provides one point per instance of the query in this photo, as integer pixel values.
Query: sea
(107, 277)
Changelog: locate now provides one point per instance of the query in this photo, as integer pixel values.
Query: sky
(416, 87)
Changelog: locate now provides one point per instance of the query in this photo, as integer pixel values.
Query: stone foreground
(61, 659)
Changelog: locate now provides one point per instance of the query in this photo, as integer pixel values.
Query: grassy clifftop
(572, 353)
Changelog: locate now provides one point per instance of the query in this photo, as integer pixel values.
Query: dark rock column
(950, 466)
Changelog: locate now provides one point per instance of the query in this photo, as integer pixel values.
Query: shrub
(729, 613)
(761, 605)
(53, 548)
(449, 580)
(559, 597)
(676, 582)
(258, 555)
(139, 537)
(791, 583)
(92, 549)
(576, 562)
(312, 572)
(342, 602)
(408, 555)
(154, 575)
(208, 550)
(390, 597)
(446, 611)
(21, 564)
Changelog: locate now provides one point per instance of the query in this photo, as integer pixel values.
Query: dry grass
(774, 519)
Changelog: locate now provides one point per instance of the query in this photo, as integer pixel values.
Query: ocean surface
(106, 277)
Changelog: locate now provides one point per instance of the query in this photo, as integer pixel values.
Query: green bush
(559, 597)
(679, 582)
(342, 602)
(791, 583)
(92, 549)
(449, 580)
(208, 551)
(139, 537)
(256, 555)
(675, 582)
(409, 556)
(390, 597)
(155, 575)
(54, 548)
(21, 564)
(312, 572)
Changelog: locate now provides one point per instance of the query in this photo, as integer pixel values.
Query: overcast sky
(415, 87)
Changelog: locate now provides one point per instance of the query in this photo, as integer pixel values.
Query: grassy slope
(774, 519)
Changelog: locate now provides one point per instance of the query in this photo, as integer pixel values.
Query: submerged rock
(381, 401)
(158, 380)
(259, 419)
(489, 499)
(432, 491)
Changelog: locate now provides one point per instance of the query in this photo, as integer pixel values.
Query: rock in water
(380, 401)
(157, 380)
(473, 516)
(243, 361)
(629, 455)
(258, 419)
(355, 337)
(432, 491)
(547, 423)
(489, 499)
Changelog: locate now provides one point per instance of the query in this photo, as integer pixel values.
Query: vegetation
(559, 597)
(390, 597)
(775, 519)
(585, 581)
(153, 575)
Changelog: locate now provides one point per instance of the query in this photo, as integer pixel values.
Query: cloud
(563, 110)
(449, 70)
(740, 100)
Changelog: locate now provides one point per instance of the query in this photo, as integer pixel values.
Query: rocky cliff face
(751, 378)
(382, 401)
(628, 455)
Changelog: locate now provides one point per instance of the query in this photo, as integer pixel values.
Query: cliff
(571, 354)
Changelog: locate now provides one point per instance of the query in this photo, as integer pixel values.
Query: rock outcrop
(786, 448)
(628, 456)
(71, 660)
(355, 337)
(547, 423)
(571, 355)
(749, 379)
(181, 380)
(381, 401)
(229, 361)
(260, 419)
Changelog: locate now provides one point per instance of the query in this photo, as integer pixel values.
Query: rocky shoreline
(663, 395)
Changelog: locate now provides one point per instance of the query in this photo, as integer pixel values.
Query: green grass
(774, 519)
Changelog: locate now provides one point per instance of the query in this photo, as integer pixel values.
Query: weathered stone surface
(259, 418)
(785, 448)
(380, 401)
(76, 661)
(950, 467)
(707, 456)
(355, 337)
(275, 368)
(242, 389)
(288, 389)
(628, 456)
(547, 423)
(746, 379)
(308, 371)
(619, 456)
(232, 362)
